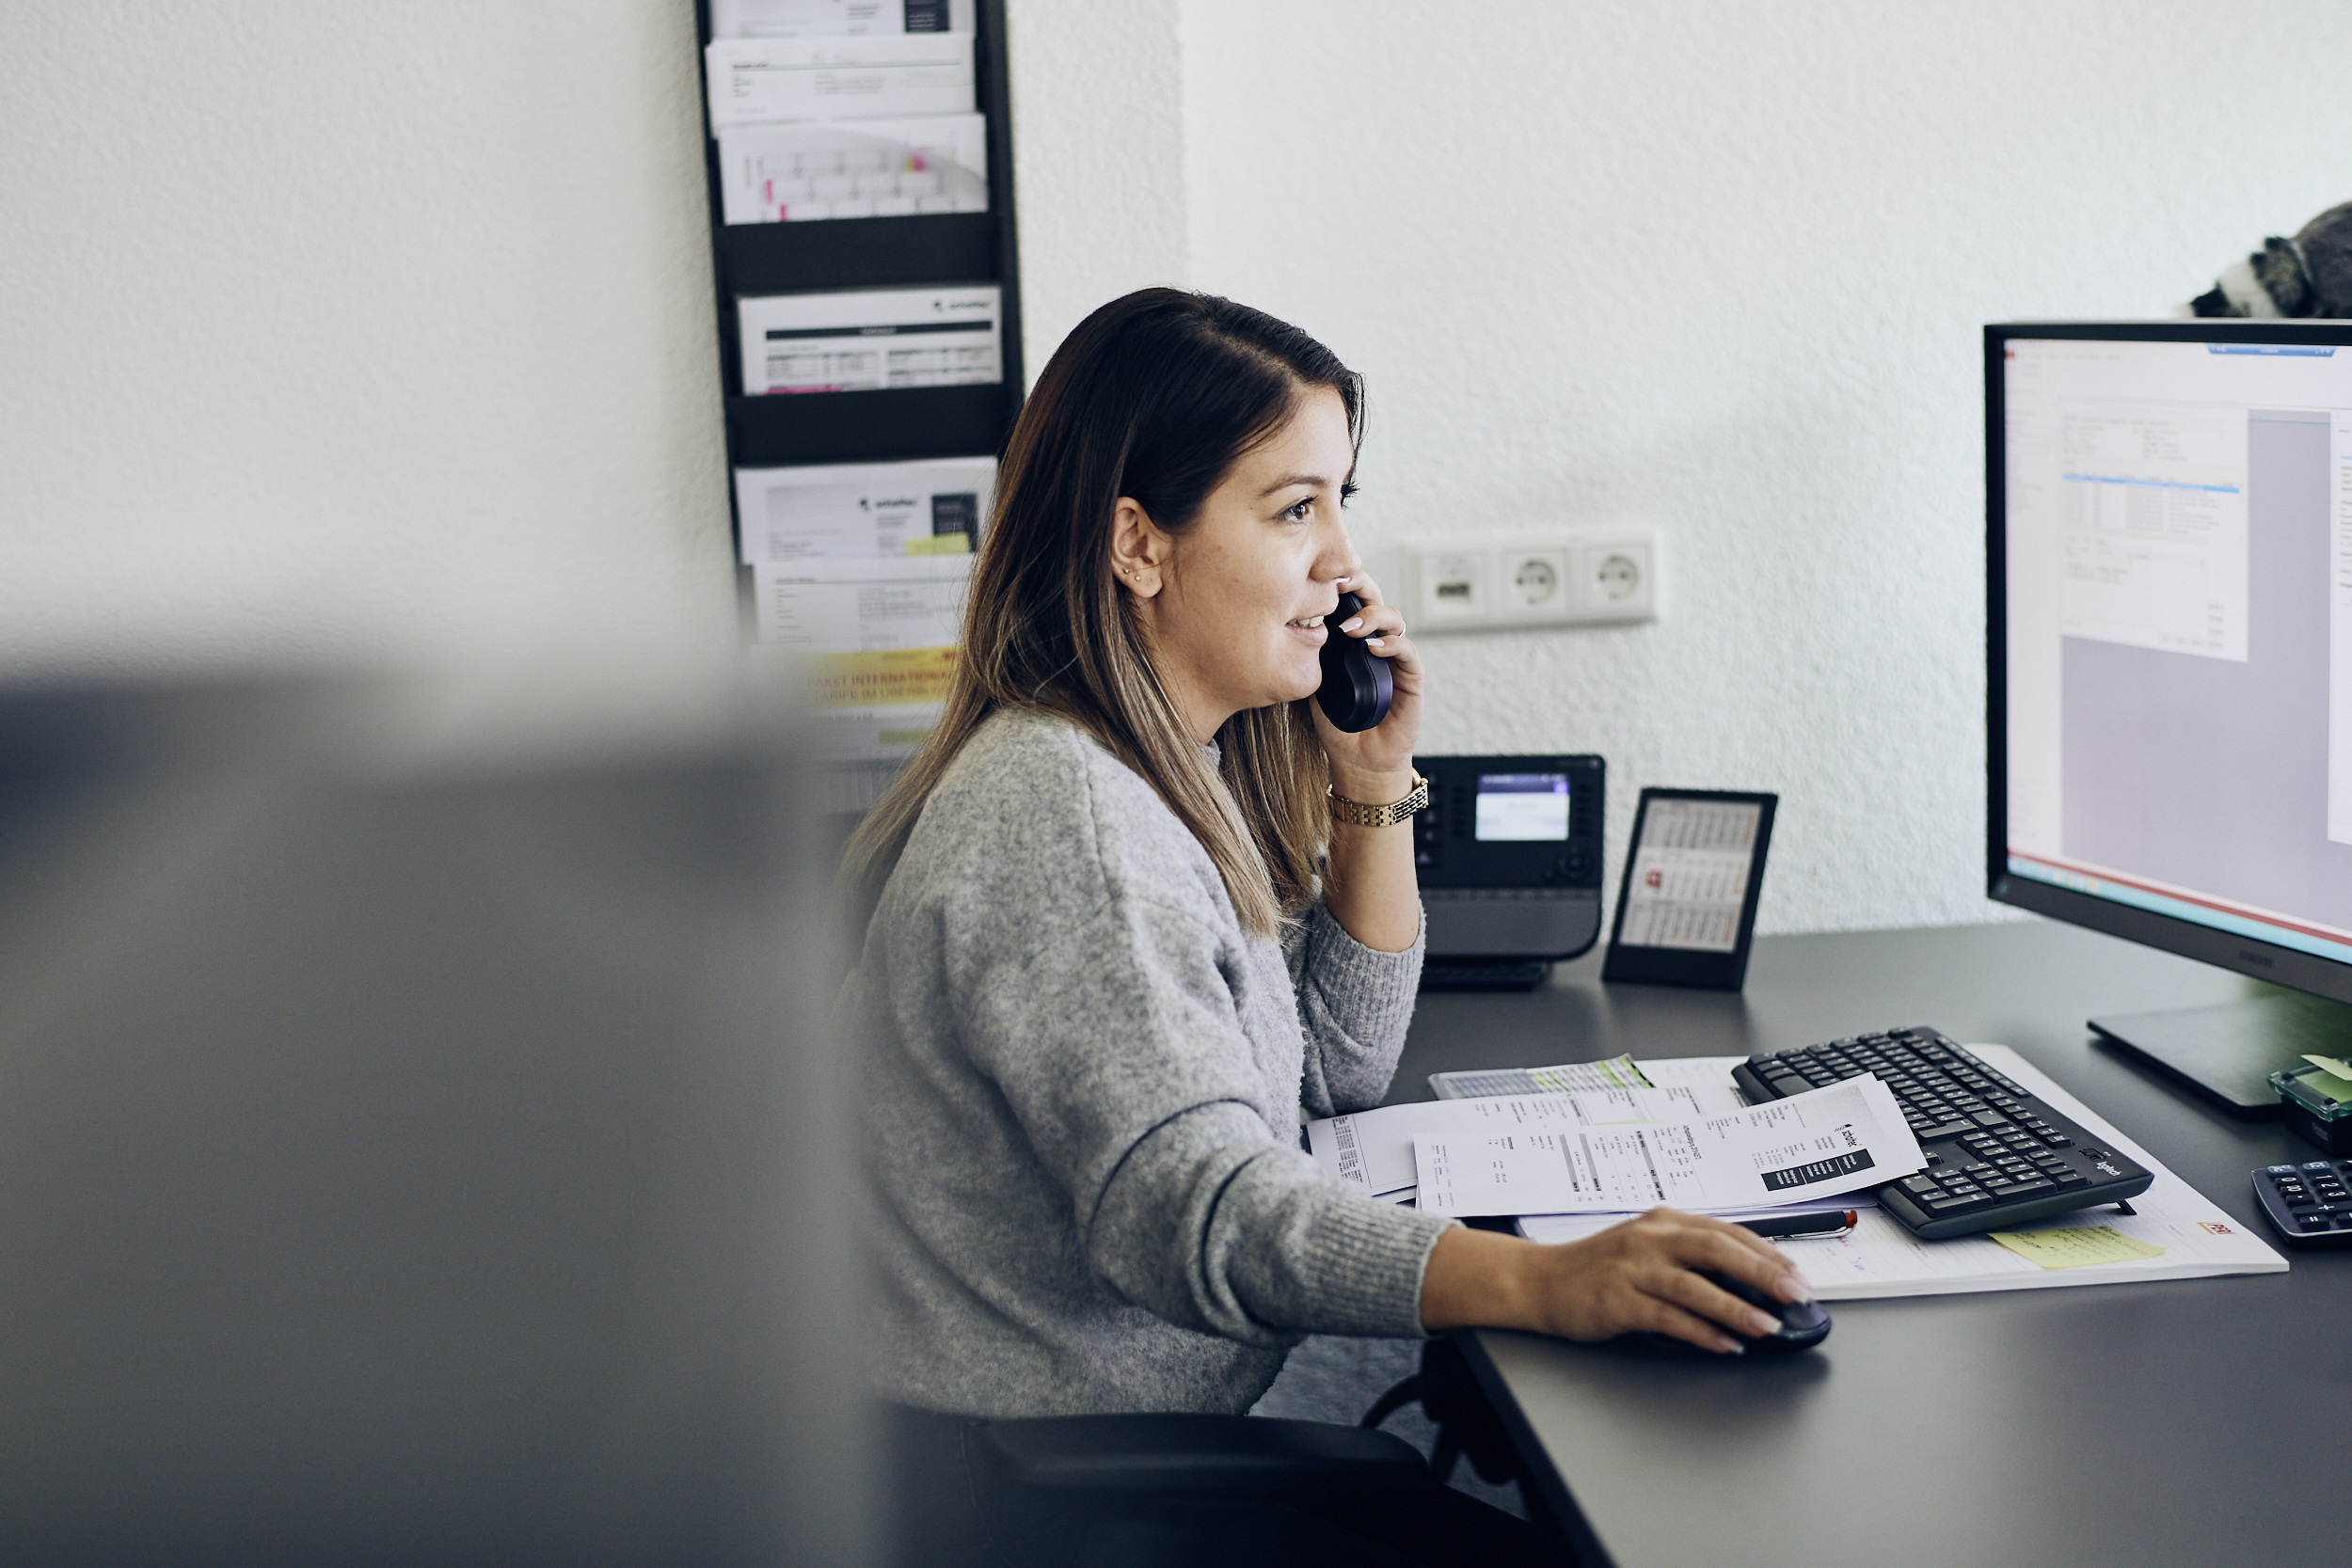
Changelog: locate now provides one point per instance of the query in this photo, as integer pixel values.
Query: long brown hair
(1153, 397)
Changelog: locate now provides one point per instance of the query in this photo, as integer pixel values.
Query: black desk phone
(1509, 859)
(1357, 687)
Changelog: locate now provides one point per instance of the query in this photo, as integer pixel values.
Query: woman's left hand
(1376, 765)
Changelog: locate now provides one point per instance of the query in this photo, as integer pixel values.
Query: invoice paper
(881, 632)
(872, 339)
(1820, 1143)
(1374, 1148)
(858, 169)
(881, 75)
(859, 510)
(810, 19)
(1879, 1257)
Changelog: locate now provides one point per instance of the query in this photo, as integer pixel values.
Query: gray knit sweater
(1082, 1082)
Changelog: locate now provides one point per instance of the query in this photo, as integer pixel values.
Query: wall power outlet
(1560, 579)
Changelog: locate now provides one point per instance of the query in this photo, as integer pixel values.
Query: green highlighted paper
(2073, 1246)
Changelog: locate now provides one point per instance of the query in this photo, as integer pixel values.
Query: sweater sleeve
(1355, 1002)
(1105, 1017)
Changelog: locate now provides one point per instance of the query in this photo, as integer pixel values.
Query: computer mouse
(1803, 1323)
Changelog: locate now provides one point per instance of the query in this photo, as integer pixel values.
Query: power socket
(1536, 586)
(1530, 580)
(1450, 588)
(1616, 579)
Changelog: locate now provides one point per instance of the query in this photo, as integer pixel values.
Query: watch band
(1362, 815)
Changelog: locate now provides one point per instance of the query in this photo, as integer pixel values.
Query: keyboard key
(1937, 1208)
(1990, 1118)
(2030, 1187)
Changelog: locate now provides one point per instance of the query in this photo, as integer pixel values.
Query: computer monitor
(2169, 607)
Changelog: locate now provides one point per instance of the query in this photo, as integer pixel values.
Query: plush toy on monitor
(2310, 275)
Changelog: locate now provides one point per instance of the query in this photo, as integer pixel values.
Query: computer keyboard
(1998, 1155)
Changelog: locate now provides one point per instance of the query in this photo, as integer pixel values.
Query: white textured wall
(1719, 268)
(328, 326)
(1098, 106)
(332, 325)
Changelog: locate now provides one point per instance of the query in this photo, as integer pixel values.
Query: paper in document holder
(872, 339)
(856, 169)
(879, 75)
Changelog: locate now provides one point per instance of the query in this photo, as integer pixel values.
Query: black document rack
(753, 260)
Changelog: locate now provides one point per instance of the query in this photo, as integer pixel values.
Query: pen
(1834, 1223)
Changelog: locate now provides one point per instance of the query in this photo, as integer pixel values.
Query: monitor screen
(2173, 628)
(1522, 806)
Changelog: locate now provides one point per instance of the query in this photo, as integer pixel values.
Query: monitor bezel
(2285, 966)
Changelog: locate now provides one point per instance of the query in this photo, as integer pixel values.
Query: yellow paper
(884, 675)
(2072, 1246)
(2335, 1066)
(940, 544)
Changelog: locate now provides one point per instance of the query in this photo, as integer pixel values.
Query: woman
(1130, 914)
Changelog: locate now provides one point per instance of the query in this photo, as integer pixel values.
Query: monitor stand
(2226, 1054)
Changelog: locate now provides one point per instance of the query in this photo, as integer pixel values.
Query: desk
(2119, 1424)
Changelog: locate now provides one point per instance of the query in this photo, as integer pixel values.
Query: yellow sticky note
(2335, 1066)
(2071, 1247)
(940, 544)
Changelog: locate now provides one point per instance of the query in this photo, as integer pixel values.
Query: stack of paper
(1530, 1150)
(863, 566)
(845, 109)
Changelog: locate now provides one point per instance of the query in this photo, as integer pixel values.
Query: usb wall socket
(1530, 580)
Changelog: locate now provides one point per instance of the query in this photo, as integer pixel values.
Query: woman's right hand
(1638, 1276)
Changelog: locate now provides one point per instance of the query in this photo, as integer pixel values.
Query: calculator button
(2318, 1168)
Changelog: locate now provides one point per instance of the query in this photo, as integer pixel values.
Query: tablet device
(1687, 910)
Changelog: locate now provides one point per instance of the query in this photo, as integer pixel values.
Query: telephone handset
(1356, 685)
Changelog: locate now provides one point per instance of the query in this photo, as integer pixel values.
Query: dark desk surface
(2190, 1422)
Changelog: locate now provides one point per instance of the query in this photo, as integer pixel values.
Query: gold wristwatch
(1362, 815)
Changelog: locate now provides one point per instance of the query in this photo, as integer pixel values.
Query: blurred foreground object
(416, 1141)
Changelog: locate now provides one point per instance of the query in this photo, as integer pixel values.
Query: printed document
(882, 633)
(876, 76)
(1820, 1143)
(1879, 1257)
(861, 510)
(858, 169)
(872, 339)
(1374, 1148)
(816, 19)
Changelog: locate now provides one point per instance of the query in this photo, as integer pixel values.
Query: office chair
(1135, 1490)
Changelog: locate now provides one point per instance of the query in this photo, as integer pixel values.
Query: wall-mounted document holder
(860, 171)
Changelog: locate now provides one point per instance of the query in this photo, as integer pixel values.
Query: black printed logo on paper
(1819, 1170)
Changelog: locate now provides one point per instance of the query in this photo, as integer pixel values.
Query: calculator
(2310, 1204)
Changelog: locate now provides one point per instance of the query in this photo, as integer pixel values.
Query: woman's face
(1237, 618)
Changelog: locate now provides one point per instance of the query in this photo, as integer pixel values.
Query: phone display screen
(1522, 806)
(1690, 875)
